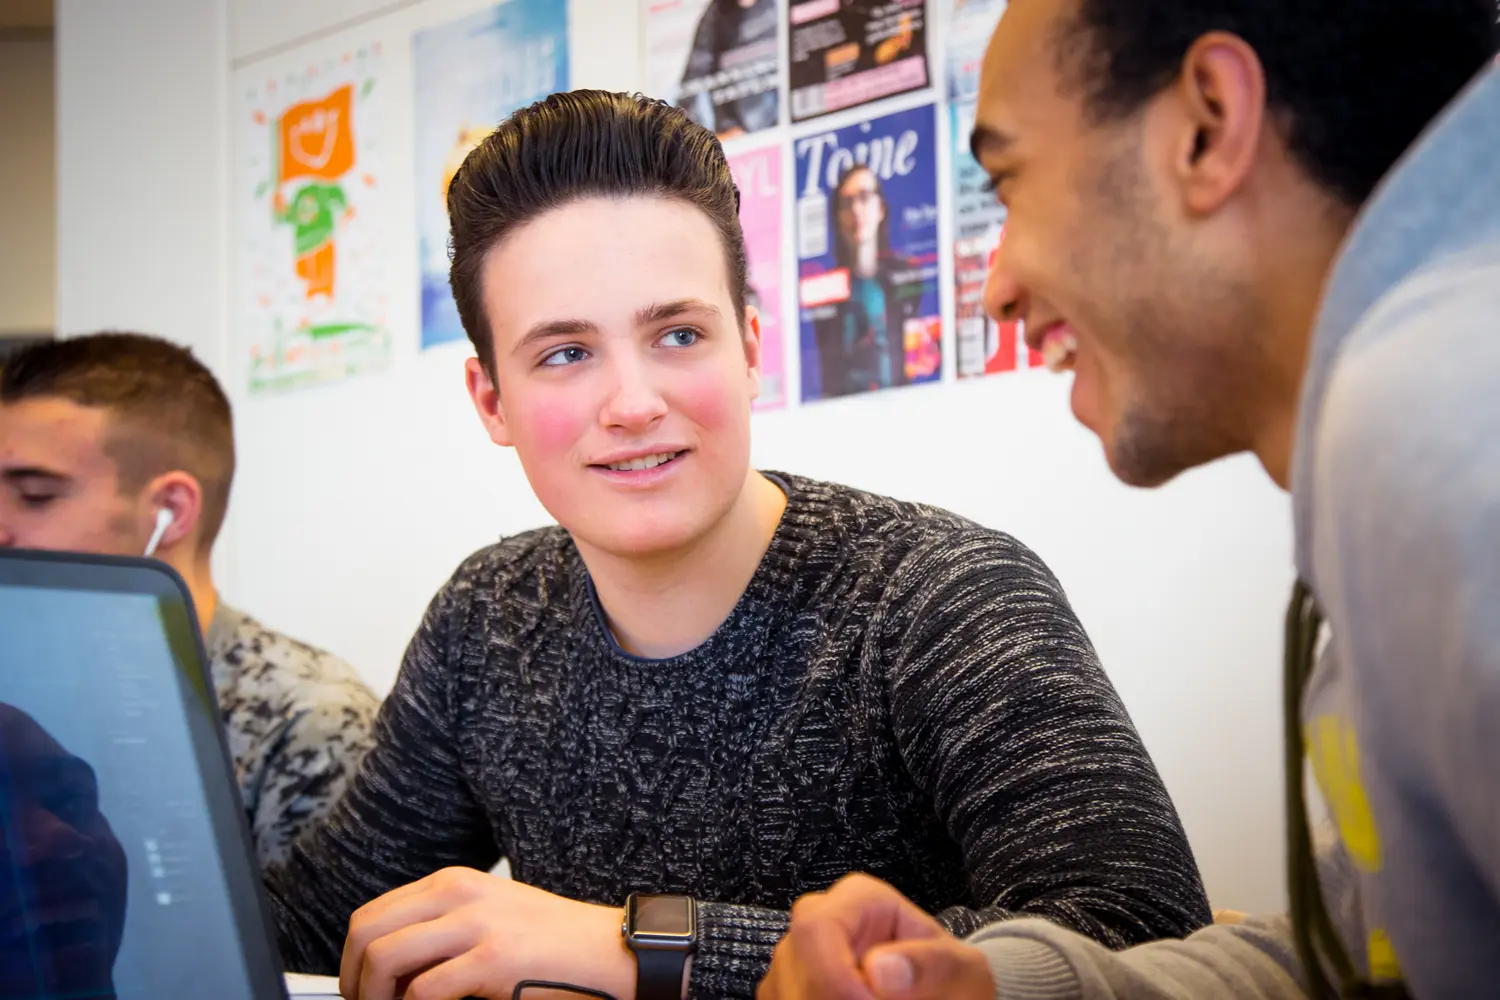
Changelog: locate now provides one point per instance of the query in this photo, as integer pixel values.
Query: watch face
(670, 916)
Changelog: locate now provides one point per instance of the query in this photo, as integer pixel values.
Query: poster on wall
(982, 346)
(719, 60)
(850, 52)
(867, 249)
(311, 275)
(467, 76)
(970, 25)
(757, 173)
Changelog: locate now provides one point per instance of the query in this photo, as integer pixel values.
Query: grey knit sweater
(899, 691)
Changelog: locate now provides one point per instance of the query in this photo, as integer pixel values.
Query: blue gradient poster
(467, 76)
(867, 255)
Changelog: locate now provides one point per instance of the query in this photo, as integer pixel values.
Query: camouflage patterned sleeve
(298, 721)
(314, 757)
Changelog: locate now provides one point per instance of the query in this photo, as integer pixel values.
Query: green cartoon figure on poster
(314, 214)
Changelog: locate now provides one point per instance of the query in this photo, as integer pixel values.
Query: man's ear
(180, 494)
(753, 349)
(1221, 100)
(486, 398)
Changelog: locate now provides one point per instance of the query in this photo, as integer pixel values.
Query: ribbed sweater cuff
(734, 949)
(1026, 969)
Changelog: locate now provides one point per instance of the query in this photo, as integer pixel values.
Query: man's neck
(666, 606)
(200, 584)
(206, 600)
(1305, 254)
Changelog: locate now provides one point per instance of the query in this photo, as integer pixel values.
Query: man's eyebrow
(32, 472)
(645, 316)
(660, 311)
(548, 329)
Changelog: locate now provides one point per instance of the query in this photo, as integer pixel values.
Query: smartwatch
(662, 931)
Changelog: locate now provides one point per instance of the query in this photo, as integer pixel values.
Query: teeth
(1058, 349)
(645, 462)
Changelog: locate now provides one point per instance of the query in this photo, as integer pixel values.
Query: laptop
(126, 868)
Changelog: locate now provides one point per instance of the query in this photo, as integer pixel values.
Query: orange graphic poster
(311, 288)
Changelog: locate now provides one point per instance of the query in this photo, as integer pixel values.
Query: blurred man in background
(123, 444)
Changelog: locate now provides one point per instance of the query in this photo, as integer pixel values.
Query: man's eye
(681, 337)
(36, 501)
(564, 356)
(993, 181)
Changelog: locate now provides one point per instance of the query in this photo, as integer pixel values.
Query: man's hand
(464, 933)
(863, 940)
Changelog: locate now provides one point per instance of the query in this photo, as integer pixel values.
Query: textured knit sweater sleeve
(988, 665)
(407, 813)
(1002, 714)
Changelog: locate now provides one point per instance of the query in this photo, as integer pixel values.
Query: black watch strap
(659, 973)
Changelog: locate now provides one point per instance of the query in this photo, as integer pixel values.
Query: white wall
(356, 500)
(142, 176)
(28, 189)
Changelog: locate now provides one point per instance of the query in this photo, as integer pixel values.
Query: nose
(635, 401)
(1004, 298)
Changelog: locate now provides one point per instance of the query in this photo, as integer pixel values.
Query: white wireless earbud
(164, 519)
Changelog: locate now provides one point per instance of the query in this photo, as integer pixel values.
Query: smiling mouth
(1057, 344)
(643, 462)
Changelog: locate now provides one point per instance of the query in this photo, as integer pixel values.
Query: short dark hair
(169, 411)
(1352, 83)
(580, 144)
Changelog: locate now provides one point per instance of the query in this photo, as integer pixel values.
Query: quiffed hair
(580, 144)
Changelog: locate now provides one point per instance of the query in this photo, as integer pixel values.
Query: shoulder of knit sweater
(886, 519)
(498, 568)
(517, 554)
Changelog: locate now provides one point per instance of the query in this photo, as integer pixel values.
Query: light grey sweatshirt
(1396, 491)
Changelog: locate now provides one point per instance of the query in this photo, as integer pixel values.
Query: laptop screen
(124, 867)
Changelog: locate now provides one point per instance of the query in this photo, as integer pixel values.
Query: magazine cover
(982, 346)
(757, 173)
(867, 249)
(467, 76)
(717, 59)
(970, 25)
(850, 52)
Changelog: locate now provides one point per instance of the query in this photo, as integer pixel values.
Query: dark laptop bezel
(249, 907)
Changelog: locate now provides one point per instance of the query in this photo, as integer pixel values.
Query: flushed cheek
(549, 429)
(715, 407)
